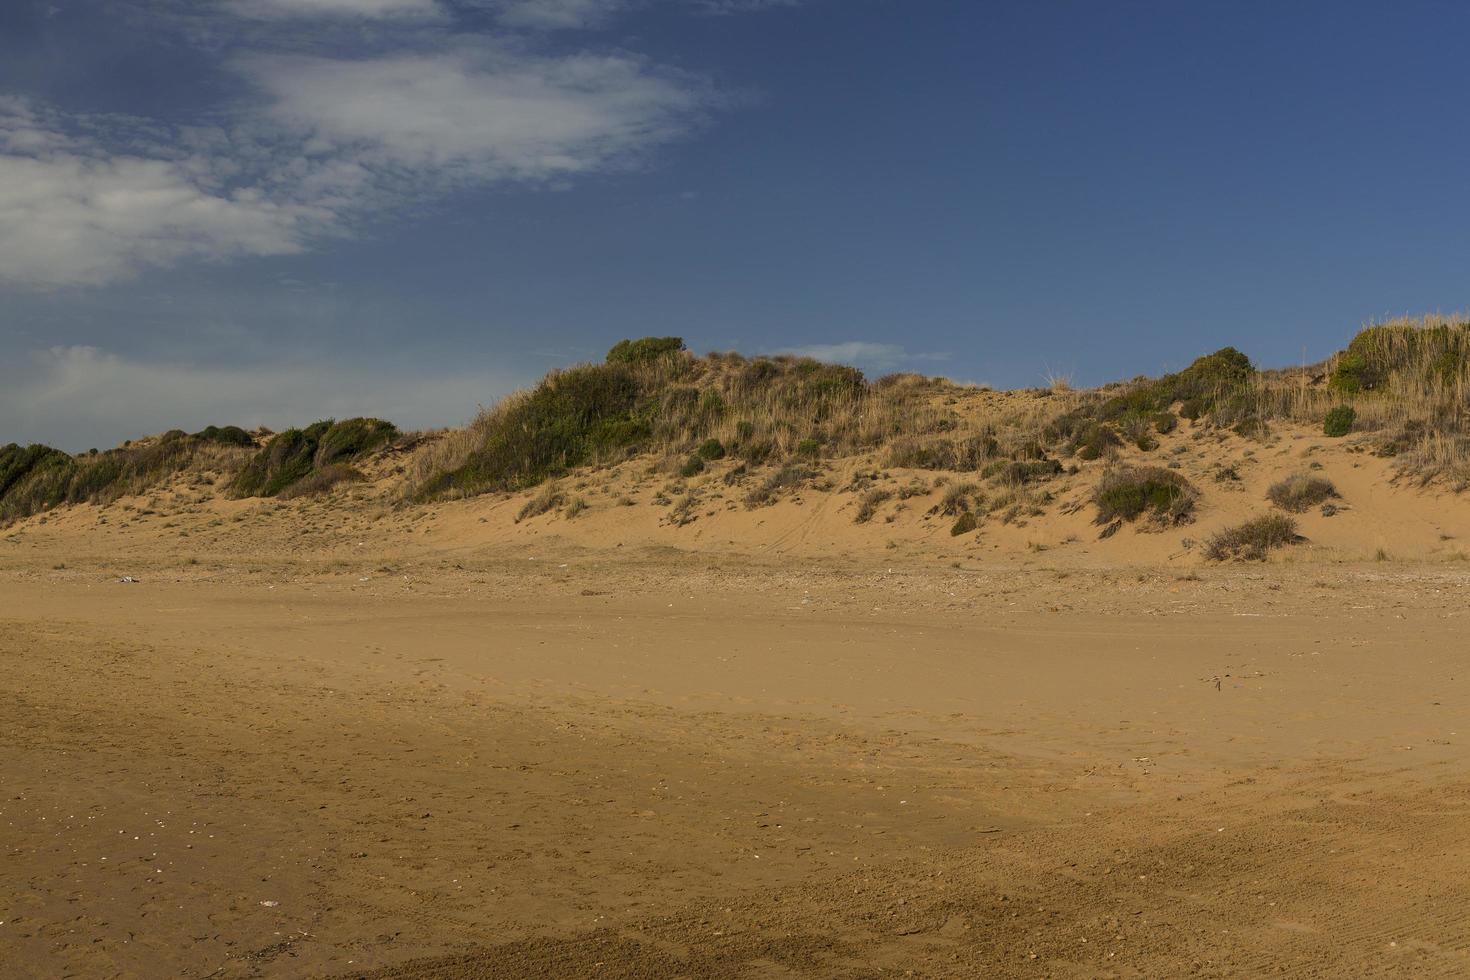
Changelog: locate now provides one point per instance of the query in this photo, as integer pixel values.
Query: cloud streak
(368, 9)
(482, 110)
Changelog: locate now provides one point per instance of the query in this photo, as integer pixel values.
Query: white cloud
(865, 354)
(71, 214)
(270, 9)
(558, 14)
(339, 141)
(483, 111)
(79, 397)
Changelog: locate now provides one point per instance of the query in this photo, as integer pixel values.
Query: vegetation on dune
(312, 453)
(770, 425)
(1253, 540)
(1339, 421)
(869, 504)
(1129, 492)
(1404, 383)
(653, 396)
(1300, 492)
(36, 478)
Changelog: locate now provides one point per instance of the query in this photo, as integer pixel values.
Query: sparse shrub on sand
(1129, 492)
(1339, 421)
(788, 477)
(1165, 422)
(1301, 492)
(1253, 540)
(959, 455)
(959, 499)
(1094, 441)
(1019, 471)
(966, 523)
(868, 505)
(693, 466)
(711, 449)
(548, 498)
(322, 480)
(1140, 432)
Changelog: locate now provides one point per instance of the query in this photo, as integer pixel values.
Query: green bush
(644, 349)
(1094, 440)
(1131, 492)
(967, 522)
(808, 449)
(1207, 381)
(225, 435)
(1253, 540)
(711, 449)
(566, 420)
(296, 454)
(693, 466)
(1339, 421)
(1165, 422)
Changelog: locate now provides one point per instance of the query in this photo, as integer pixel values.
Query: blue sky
(267, 211)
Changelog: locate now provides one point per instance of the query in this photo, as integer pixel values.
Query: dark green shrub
(566, 420)
(1131, 492)
(1094, 440)
(967, 522)
(351, 438)
(808, 449)
(693, 466)
(295, 454)
(225, 435)
(711, 449)
(1206, 381)
(1165, 422)
(1253, 540)
(1191, 408)
(1339, 420)
(644, 349)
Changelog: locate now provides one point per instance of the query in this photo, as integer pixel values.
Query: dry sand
(334, 739)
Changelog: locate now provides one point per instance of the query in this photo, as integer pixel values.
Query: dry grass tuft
(1253, 540)
(1301, 492)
